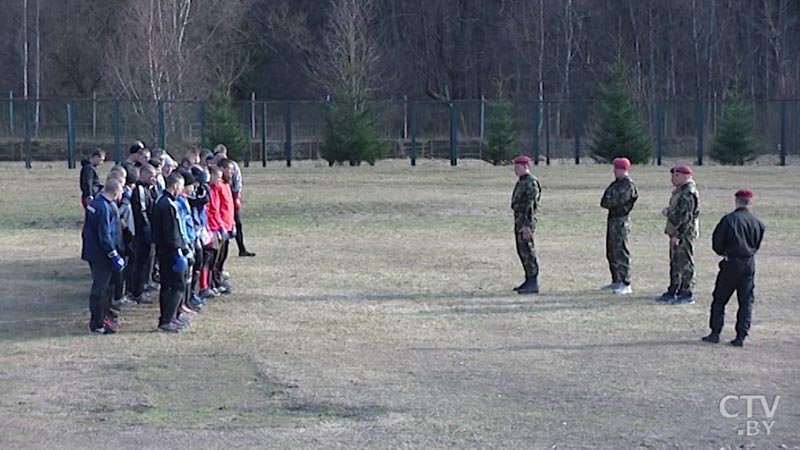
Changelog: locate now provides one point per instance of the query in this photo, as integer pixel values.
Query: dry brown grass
(378, 314)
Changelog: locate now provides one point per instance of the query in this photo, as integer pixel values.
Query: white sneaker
(623, 289)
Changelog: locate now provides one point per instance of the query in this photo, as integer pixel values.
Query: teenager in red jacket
(222, 224)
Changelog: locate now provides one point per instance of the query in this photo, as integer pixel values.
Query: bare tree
(346, 61)
(25, 49)
(164, 47)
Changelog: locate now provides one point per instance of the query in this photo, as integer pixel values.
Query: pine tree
(618, 131)
(350, 135)
(501, 129)
(222, 126)
(734, 143)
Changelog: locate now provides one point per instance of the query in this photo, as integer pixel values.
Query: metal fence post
(27, 122)
(71, 134)
(782, 150)
(11, 113)
(659, 130)
(287, 145)
(453, 135)
(117, 144)
(546, 123)
(412, 120)
(578, 125)
(537, 117)
(700, 130)
(162, 138)
(94, 114)
(483, 115)
(251, 125)
(263, 134)
(203, 123)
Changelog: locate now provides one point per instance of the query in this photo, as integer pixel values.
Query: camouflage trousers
(617, 253)
(681, 266)
(526, 250)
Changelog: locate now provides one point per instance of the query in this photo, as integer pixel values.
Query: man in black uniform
(141, 208)
(736, 238)
(89, 180)
(170, 251)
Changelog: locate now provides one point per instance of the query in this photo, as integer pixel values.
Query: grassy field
(379, 314)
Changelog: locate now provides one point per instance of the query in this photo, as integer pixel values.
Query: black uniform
(89, 181)
(736, 238)
(168, 239)
(141, 207)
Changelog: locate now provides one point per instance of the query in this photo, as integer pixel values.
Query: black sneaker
(712, 338)
(666, 297)
(531, 286)
(246, 253)
(143, 300)
(169, 328)
(683, 298)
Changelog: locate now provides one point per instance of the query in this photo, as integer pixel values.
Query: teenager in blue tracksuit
(100, 250)
(188, 231)
(171, 251)
(197, 201)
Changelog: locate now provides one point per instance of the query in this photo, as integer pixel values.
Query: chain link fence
(66, 130)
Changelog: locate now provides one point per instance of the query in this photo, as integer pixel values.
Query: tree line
(423, 49)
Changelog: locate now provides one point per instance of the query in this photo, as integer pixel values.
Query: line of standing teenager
(156, 224)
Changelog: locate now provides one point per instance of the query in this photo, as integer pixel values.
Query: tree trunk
(25, 49)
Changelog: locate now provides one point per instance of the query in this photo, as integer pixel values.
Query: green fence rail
(66, 130)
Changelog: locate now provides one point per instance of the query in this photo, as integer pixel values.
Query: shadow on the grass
(565, 347)
(43, 298)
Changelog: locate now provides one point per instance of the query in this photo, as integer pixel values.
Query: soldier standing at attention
(683, 227)
(619, 199)
(525, 202)
(736, 238)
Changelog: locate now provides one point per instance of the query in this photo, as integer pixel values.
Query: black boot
(739, 341)
(712, 338)
(516, 288)
(530, 286)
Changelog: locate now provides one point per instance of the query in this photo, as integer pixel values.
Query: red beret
(522, 159)
(682, 169)
(621, 163)
(745, 193)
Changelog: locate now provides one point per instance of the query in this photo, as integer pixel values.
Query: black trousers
(735, 274)
(237, 219)
(120, 280)
(196, 267)
(102, 272)
(209, 263)
(173, 285)
(140, 266)
(222, 256)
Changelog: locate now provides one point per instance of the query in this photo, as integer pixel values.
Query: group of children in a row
(155, 221)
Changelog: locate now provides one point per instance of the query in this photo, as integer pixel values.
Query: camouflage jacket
(683, 213)
(619, 198)
(525, 201)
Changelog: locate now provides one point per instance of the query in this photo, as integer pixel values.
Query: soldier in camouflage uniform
(618, 199)
(525, 202)
(683, 227)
